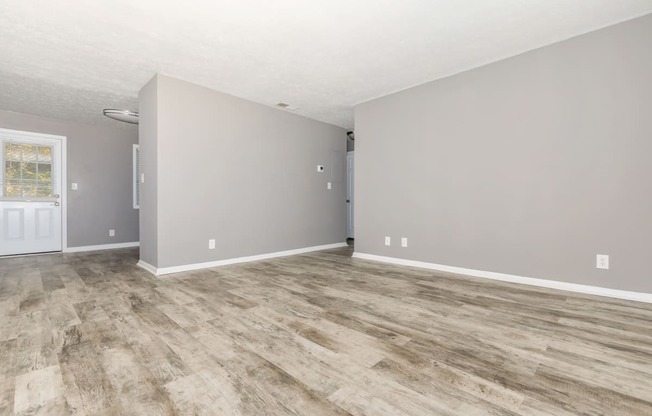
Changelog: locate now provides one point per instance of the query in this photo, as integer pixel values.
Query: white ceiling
(71, 58)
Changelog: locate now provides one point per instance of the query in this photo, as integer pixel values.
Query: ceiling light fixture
(122, 115)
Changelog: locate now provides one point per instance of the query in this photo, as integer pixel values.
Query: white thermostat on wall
(320, 168)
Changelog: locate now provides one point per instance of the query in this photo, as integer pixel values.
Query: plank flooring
(314, 334)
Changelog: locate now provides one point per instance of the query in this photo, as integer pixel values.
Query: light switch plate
(388, 241)
(111, 233)
(602, 261)
(74, 186)
(404, 242)
(329, 185)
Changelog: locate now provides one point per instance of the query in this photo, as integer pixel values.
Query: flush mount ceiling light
(122, 115)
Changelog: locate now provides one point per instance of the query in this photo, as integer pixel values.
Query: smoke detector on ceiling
(287, 106)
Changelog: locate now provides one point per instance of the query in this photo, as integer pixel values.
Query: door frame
(64, 173)
(350, 209)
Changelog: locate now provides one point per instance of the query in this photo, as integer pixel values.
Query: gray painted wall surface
(530, 166)
(100, 161)
(147, 132)
(350, 145)
(244, 174)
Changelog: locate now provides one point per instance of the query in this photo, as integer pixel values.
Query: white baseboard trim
(101, 247)
(147, 267)
(551, 284)
(197, 266)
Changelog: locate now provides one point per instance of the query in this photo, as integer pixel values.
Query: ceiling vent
(287, 106)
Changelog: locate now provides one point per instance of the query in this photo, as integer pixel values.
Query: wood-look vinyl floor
(314, 334)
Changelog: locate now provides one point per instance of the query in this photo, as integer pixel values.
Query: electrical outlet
(211, 244)
(388, 241)
(111, 233)
(404, 242)
(329, 185)
(602, 261)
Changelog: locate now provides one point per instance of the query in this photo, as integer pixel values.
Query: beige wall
(530, 166)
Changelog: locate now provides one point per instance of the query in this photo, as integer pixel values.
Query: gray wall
(241, 173)
(147, 132)
(530, 166)
(100, 161)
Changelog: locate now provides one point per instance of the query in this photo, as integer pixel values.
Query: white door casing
(350, 173)
(32, 192)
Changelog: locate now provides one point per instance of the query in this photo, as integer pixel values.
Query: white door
(30, 202)
(349, 194)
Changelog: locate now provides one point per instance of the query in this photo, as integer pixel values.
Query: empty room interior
(429, 207)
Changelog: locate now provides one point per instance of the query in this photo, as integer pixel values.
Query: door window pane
(44, 191)
(27, 170)
(12, 170)
(13, 188)
(13, 152)
(44, 172)
(29, 188)
(45, 154)
(30, 153)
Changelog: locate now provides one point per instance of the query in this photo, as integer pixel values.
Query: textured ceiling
(71, 58)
